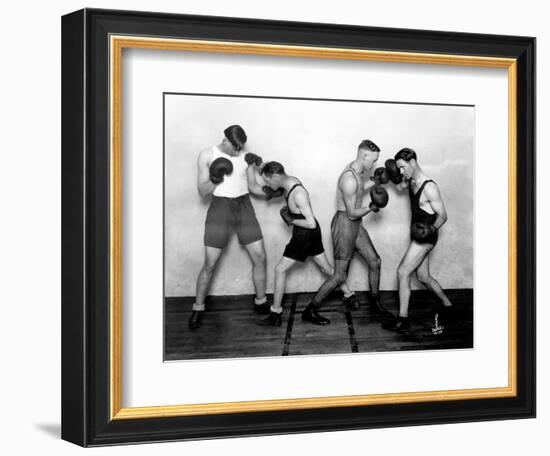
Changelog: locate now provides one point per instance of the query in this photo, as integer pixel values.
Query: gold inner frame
(117, 44)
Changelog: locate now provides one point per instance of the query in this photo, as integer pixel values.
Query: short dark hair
(405, 154)
(271, 168)
(368, 144)
(236, 136)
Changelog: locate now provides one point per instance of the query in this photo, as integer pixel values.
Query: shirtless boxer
(306, 240)
(428, 215)
(348, 234)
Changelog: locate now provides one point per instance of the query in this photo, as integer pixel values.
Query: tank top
(236, 184)
(297, 216)
(358, 193)
(418, 214)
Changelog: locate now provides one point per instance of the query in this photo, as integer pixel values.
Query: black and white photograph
(296, 226)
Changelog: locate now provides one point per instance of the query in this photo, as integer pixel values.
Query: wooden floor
(230, 328)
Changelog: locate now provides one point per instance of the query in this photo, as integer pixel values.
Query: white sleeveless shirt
(236, 184)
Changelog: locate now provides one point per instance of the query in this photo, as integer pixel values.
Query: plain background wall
(315, 140)
(30, 233)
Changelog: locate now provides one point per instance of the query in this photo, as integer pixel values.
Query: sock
(198, 307)
(350, 294)
(260, 301)
(275, 310)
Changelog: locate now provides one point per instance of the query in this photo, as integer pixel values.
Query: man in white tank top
(230, 211)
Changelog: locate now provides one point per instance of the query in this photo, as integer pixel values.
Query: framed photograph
(278, 227)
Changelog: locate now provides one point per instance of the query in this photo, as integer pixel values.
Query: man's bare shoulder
(347, 182)
(300, 195)
(431, 190)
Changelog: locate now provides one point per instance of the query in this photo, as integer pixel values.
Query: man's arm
(253, 177)
(368, 184)
(436, 202)
(348, 187)
(204, 184)
(302, 202)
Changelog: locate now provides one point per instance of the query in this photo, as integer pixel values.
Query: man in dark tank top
(306, 240)
(428, 215)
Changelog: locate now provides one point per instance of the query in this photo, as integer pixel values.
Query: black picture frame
(85, 228)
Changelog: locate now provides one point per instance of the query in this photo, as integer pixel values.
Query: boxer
(348, 234)
(226, 173)
(306, 240)
(428, 215)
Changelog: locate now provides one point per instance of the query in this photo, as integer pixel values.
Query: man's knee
(339, 277)
(375, 264)
(423, 278)
(280, 269)
(209, 266)
(258, 258)
(403, 273)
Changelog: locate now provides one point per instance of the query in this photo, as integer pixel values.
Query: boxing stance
(306, 240)
(348, 235)
(226, 173)
(428, 215)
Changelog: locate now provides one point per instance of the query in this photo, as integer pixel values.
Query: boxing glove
(219, 168)
(251, 158)
(421, 231)
(380, 176)
(394, 173)
(270, 193)
(286, 215)
(379, 197)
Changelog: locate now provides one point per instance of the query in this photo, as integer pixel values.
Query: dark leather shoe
(262, 309)
(195, 320)
(377, 307)
(311, 315)
(273, 319)
(397, 324)
(351, 302)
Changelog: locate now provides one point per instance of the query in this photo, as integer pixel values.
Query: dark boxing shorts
(304, 242)
(226, 215)
(347, 236)
(429, 240)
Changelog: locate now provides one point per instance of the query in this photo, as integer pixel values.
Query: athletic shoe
(311, 315)
(377, 307)
(195, 320)
(262, 309)
(273, 319)
(351, 302)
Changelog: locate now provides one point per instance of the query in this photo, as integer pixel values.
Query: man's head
(235, 138)
(367, 154)
(273, 173)
(406, 162)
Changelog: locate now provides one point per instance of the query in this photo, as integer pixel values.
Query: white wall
(315, 140)
(30, 239)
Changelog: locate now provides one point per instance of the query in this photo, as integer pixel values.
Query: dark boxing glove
(219, 168)
(270, 193)
(394, 173)
(420, 232)
(379, 198)
(286, 215)
(380, 176)
(251, 158)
